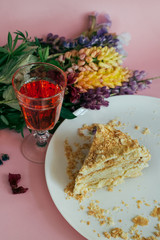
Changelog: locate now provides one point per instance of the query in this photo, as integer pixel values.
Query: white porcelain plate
(135, 196)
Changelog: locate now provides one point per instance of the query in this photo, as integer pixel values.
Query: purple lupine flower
(101, 31)
(104, 21)
(140, 75)
(51, 37)
(141, 86)
(135, 83)
(82, 40)
(95, 98)
(108, 20)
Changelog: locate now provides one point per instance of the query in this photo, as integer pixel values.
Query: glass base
(32, 150)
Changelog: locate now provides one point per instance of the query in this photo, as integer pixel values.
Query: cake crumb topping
(139, 220)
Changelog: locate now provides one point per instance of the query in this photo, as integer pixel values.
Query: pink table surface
(33, 215)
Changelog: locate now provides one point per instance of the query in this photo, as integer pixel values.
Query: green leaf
(22, 128)
(4, 119)
(3, 59)
(68, 104)
(20, 48)
(54, 62)
(12, 103)
(3, 87)
(40, 54)
(26, 34)
(14, 119)
(43, 53)
(46, 53)
(37, 41)
(15, 42)
(10, 42)
(14, 63)
(21, 35)
(67, 114)
(3, 50)
(9, 94)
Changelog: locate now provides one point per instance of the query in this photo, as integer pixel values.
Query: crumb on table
(146, 131)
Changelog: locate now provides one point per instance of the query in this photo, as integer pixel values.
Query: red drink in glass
(39, 88)
(41, 115)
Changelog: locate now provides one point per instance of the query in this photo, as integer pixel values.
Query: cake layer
(114, 160)
(106, 176)
(111, 181)
(113, 156)
(108, 143)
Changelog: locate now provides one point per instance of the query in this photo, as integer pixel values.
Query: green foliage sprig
(19, 51)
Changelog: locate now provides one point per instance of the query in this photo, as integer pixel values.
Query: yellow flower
(102, 77)
(98, 57)
(98, 67)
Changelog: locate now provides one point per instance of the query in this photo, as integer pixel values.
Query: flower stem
(153, 78)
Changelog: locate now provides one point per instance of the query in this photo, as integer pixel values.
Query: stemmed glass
(39, 88)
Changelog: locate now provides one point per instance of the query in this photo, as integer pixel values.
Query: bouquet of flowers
(93, 63)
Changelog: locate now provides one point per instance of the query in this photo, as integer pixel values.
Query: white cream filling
(134, 154)
(105, 179)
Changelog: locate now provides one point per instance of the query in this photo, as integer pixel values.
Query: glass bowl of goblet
(39, 88)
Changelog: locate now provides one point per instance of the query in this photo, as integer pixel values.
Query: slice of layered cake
(113, 156)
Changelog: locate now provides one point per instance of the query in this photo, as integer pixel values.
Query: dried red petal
(14, 179)
(19, 190)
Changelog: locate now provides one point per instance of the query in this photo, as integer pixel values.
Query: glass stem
(41, 138)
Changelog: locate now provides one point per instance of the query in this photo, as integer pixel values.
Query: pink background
(33, 215)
